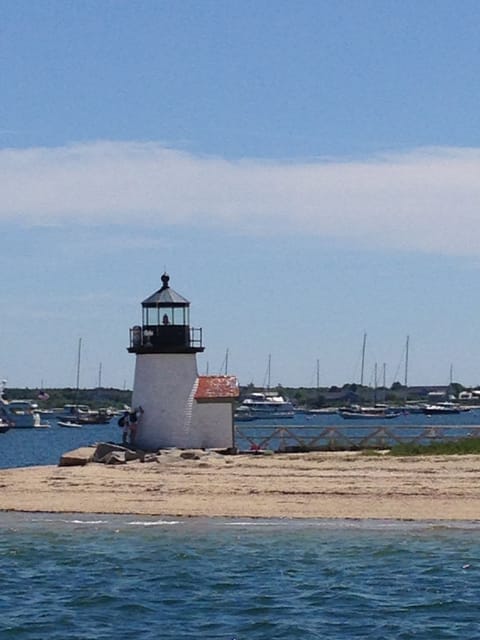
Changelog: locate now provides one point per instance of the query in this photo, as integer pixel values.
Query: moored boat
(357, 412)
(82, 414)
(69, 424)
(262, 406)
(19, 414)
(441, 408)
(243, 414)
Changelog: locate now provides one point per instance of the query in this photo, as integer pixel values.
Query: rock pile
(110, 453)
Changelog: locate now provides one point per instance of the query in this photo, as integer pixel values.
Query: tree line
(96, 398)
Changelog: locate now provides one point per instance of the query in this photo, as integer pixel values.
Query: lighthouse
(180, 408)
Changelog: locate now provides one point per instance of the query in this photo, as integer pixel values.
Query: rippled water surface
(95, 577)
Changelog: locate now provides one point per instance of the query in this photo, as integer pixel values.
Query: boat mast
(318, 374)
(406, 360)
(269, 366)
(384, 381)
(224, 367)
(78, 373)
(406, 367)
(363, 358)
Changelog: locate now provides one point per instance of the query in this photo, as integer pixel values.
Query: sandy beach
(308, 485)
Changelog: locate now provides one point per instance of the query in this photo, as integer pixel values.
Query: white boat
(69, 424)
(243, 414)
(19, 414)
(266, 405)
(412, 407)
(441, 408)
(4, 426)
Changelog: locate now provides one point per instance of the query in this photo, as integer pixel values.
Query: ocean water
(86, 577)
(31, 447)
(102, 577)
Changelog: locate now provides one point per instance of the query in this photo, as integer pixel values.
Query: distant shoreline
(306, 485)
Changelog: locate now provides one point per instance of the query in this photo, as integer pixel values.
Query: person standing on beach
(133, 423)
(124, 422)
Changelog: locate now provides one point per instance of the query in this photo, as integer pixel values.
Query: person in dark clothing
(124, 422)
(133, 424)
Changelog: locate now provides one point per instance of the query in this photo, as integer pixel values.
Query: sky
(307, 172)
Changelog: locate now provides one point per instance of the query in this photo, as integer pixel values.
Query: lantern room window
(156, 316)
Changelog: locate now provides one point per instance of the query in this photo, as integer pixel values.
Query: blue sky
(305, 171)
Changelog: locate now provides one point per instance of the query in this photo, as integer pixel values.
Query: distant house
(437, 396)
(430, 393)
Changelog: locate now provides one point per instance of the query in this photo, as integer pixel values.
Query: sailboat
(73, 410)
(356, 412)
(77, 415)
(377, 411)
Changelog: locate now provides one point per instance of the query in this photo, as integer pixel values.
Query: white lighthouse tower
(180, 408)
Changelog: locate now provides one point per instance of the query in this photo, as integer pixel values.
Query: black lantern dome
(165, 324)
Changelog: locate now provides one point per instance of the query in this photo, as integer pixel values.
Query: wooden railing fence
(282, 438)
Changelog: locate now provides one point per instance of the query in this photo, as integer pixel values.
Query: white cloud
(426, 199)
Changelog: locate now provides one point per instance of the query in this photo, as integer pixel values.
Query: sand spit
(304, 485)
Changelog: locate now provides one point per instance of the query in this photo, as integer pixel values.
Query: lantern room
(165, 324)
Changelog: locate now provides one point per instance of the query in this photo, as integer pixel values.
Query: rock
(115, 457)
(174, 454)
(77, 457)
(104, 449)
(229, 451)
(189, 455)
(133, 455)
(149, 457)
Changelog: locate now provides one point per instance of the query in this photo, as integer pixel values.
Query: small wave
(87, 521)
(70, 521)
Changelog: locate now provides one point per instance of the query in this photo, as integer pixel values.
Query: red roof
(217, 387)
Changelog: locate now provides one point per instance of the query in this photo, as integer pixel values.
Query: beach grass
(463, 446)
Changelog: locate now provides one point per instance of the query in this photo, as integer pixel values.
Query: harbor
(304, 432)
